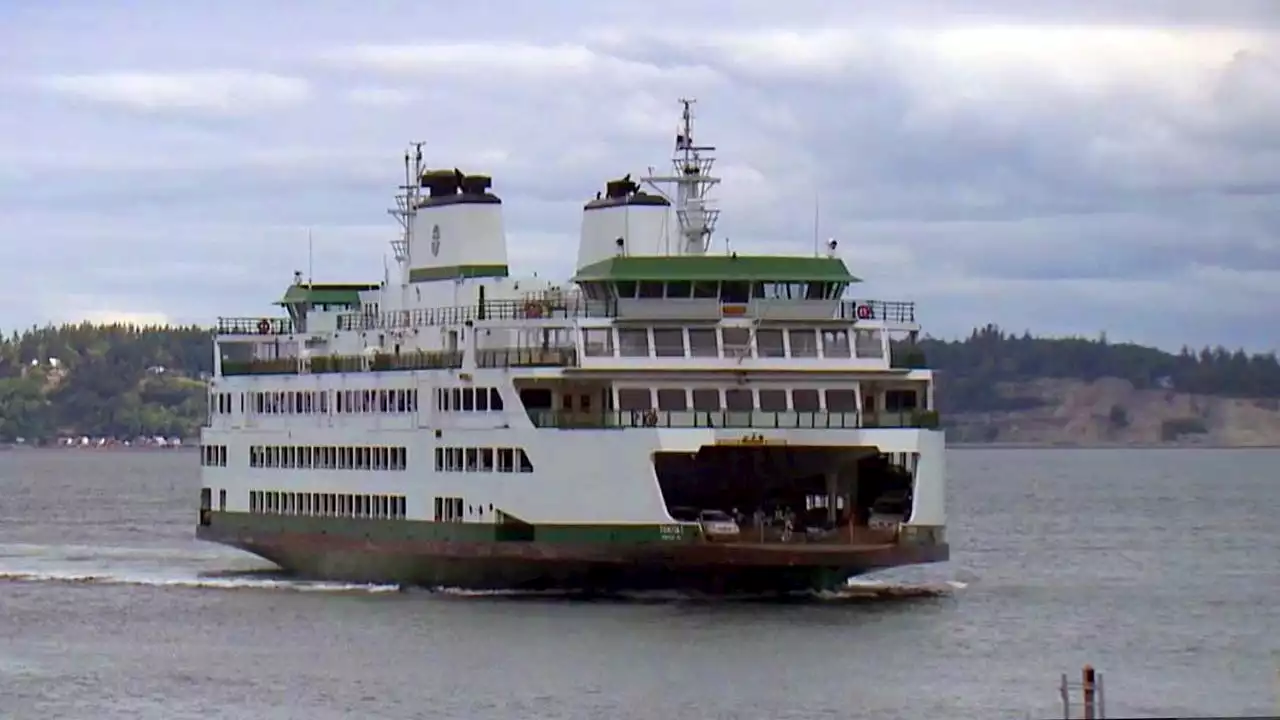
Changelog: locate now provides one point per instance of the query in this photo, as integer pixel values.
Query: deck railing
(774, 532)
(731, 419)
(527, 357)
(255, 326)
(322, 364)
(548, 306)
(892, 311)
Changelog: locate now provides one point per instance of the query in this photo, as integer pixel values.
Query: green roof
(325, 293)
(746, 268)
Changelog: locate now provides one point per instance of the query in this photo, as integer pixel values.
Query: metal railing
(255, 326)
(731, 419)
(527, 357)
(542, 306)
(552, 306)
(322, 364)
(894, 311)
(773, 532)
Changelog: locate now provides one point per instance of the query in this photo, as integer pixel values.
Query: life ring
(650, 419)
(865, 312)
(532, 309)
(264, 326)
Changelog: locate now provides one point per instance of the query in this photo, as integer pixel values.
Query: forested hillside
(112, 381)
(121, 382)
(969, 369)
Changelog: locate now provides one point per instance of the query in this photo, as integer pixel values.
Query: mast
(692, 163)
(407, 205)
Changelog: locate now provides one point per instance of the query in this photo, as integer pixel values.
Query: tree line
(969, 368)
(125, 381)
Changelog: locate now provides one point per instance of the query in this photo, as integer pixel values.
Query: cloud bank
(1063, 167)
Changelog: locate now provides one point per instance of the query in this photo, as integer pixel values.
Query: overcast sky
(1064, 167)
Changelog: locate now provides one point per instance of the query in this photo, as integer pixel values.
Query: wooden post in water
(1087, 688)
(1093, 705)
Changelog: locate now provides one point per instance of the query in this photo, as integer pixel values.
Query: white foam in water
(216, 568)
(153, 567)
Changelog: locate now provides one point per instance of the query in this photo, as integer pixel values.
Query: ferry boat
(676, 417)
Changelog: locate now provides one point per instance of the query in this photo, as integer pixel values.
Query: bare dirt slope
(1111, 411)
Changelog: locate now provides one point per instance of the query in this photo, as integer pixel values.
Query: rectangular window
(633, 342)
(804, 343)
(867, 344)
(769, 343)
(668, 342)
(737, 342)
(598, 342)
(703, 342)
(835, 344)
(706, 400)
(634, 399)
(673, 399)
(739, 400)
(841, 401)
(773, 400)
(805, 400)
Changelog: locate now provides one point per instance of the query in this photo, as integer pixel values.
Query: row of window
(220, 403)
(484, 459)
(377, 401)
(289, 402)
(449, 509)
(733, 342)
(308, 402)
(329, 457)
(748, 399)
(213, 455)
(468, 399)
(393, 507)
(729, 292)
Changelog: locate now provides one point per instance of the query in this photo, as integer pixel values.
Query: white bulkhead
(457, 248)
(624, 221)
(457, 237)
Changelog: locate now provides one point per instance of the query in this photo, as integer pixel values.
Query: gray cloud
(1063, 167)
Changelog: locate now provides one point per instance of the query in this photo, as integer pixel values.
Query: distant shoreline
(23, 447)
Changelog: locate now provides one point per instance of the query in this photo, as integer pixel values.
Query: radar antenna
(695, 211)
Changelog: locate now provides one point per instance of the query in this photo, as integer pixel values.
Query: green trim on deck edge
(722, 268)
(455, 272)
(325, 293)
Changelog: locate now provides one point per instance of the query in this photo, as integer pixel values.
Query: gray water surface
(1160, 567)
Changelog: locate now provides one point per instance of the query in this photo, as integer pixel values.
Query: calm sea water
(1159, 567)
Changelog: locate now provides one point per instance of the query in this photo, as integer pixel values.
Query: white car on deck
(717, 524)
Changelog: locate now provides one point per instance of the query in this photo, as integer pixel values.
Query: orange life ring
(264, 326)
(532, 309)
(865, 312)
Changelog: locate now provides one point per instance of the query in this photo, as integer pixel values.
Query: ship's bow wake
(154, 567)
